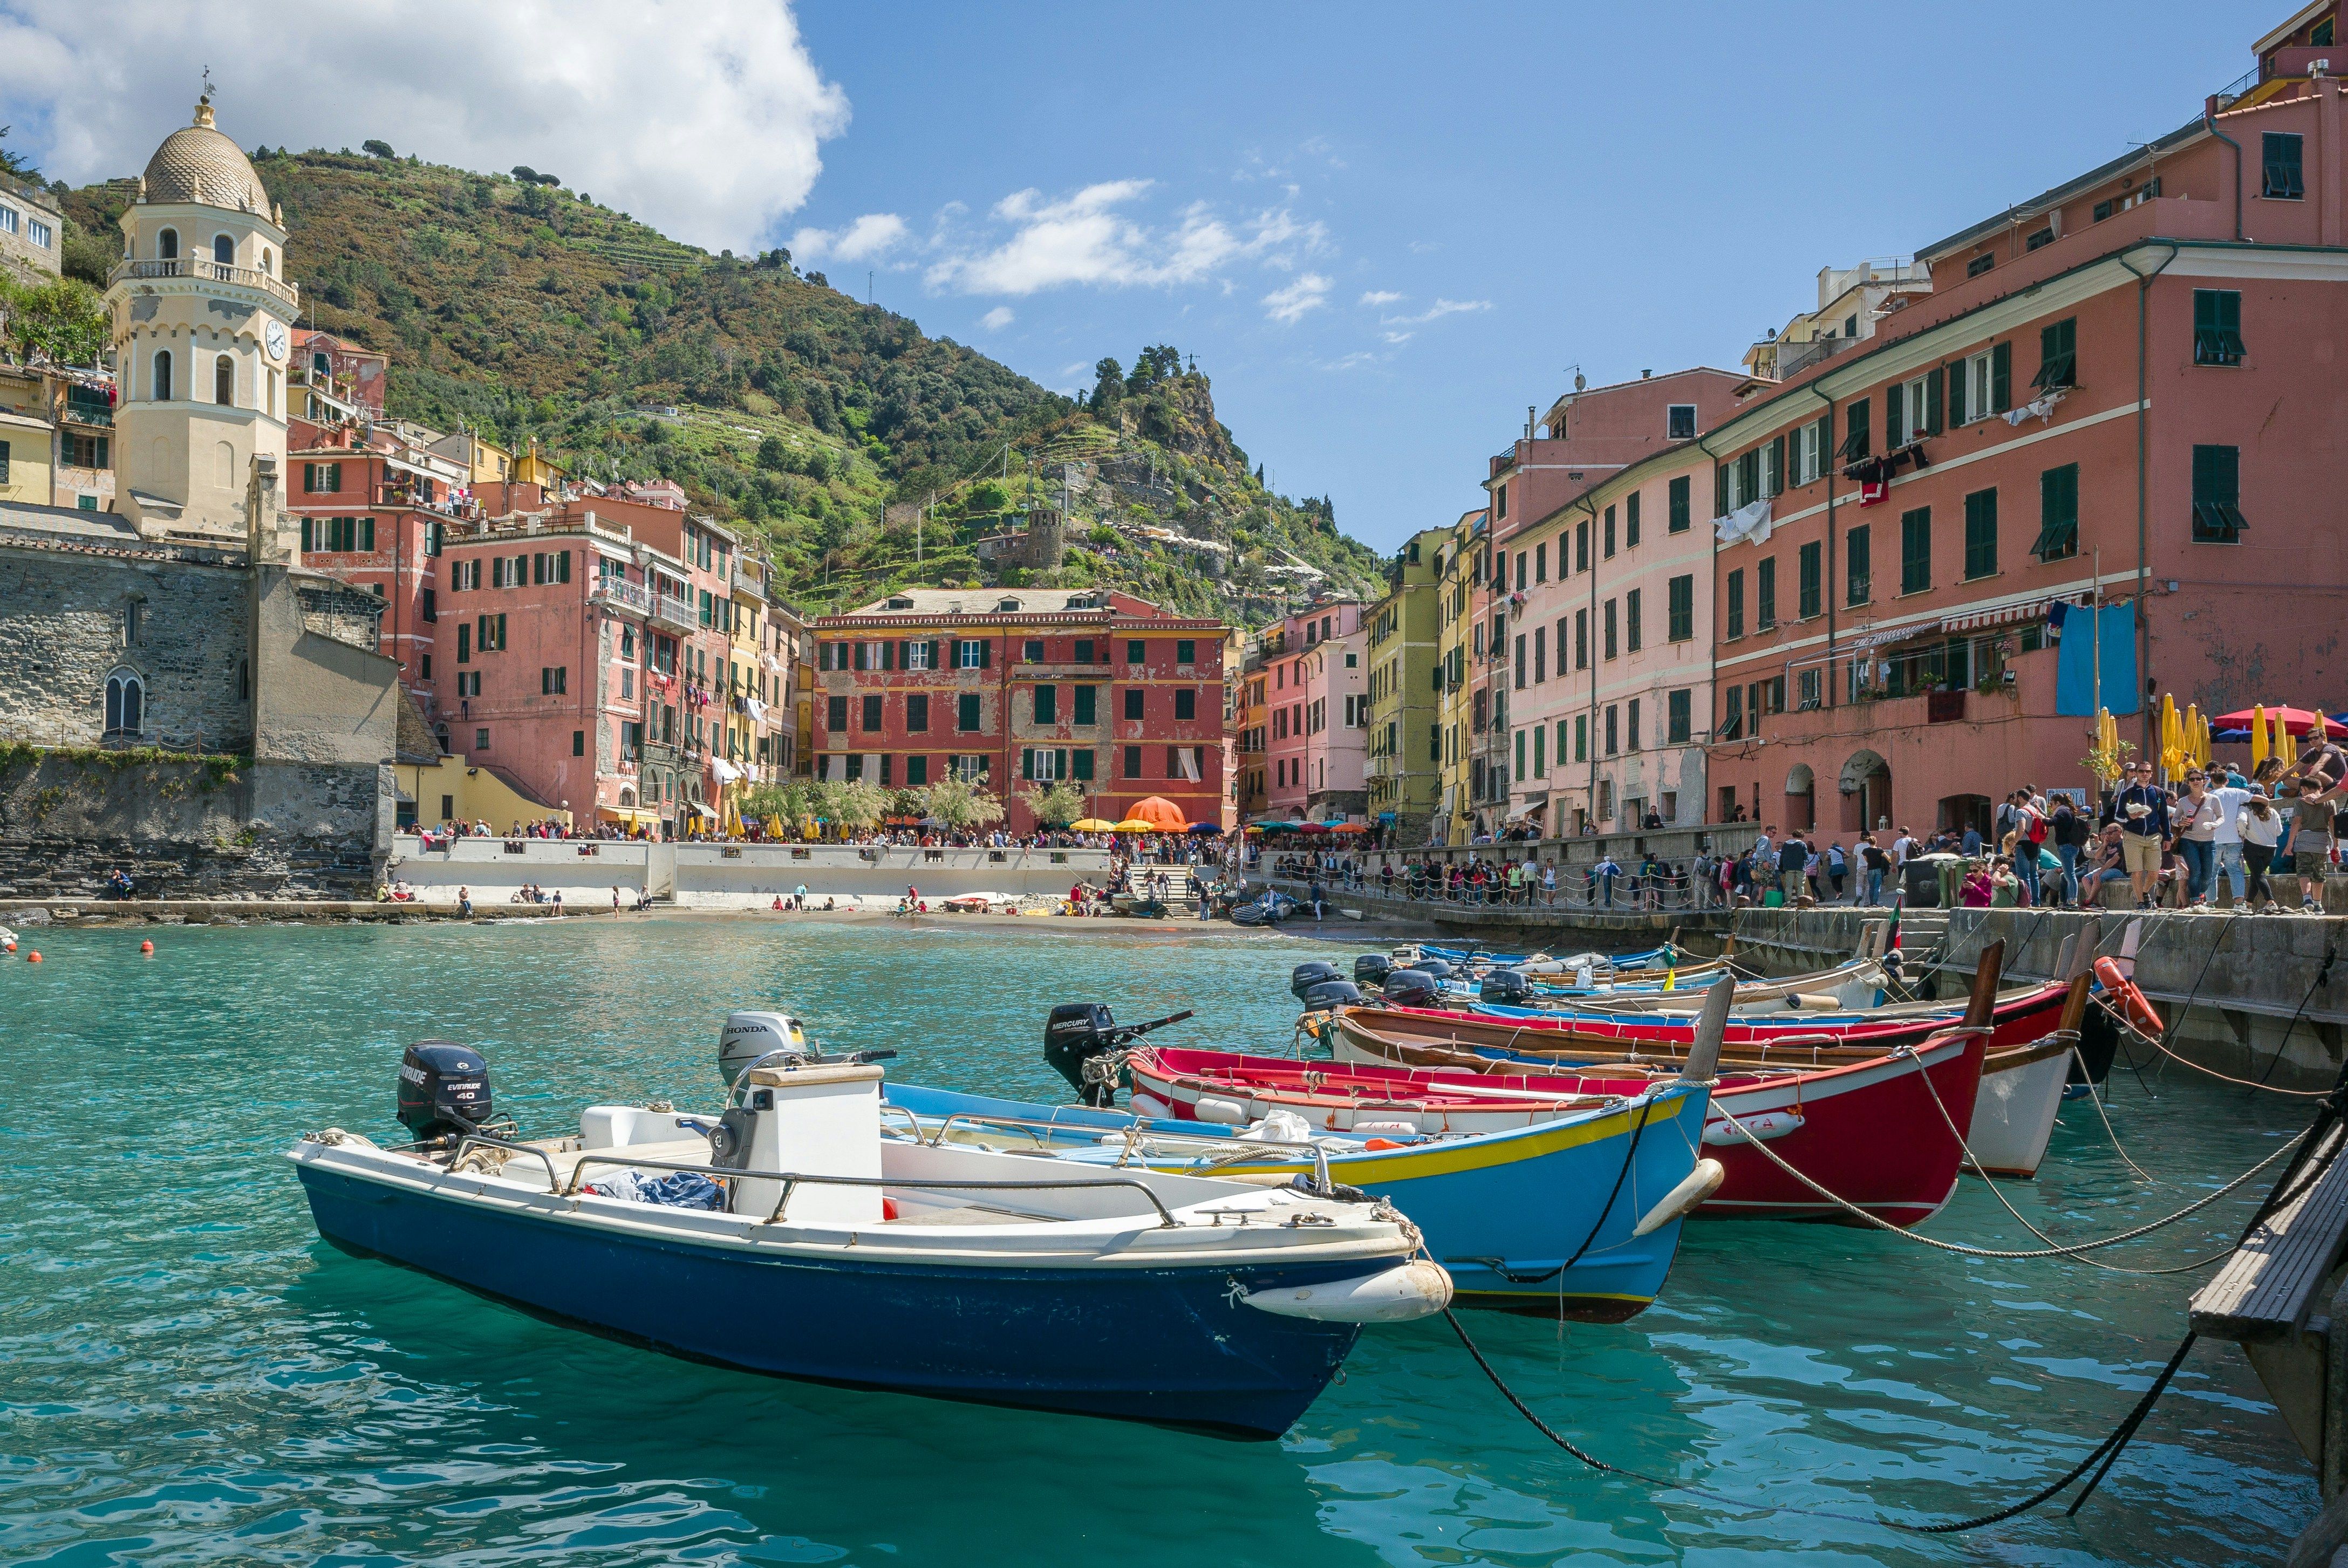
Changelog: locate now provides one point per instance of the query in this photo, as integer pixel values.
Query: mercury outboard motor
(1338, 993)
(1372, 969)
(1413, 987)
(1304, 976)
(444, 1090)
(1076, 1032)
(1509, 988)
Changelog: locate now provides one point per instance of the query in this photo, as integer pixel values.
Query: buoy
(33, 957)
(147, 946)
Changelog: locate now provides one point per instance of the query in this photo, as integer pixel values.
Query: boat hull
(1502, 1212)
(1163, 1344)
(2014, 1117)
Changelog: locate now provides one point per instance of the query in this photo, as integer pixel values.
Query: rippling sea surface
(189, 1375)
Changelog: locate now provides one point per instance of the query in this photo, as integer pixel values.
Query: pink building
(2120, 392)
(1318, 714)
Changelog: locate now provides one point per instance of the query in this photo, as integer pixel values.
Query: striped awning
(2003, 615)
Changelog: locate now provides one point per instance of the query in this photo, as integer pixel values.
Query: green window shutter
(1060, 763)
(1773, 481)
(860, 655)
(2001, 378)
(1895, 425)
(1521, 774)
(1930, 423)
(309, 532)
(1957, 378)
(367, 533)
(935, 645)
(1082, 763)
(1680, 520)
(1981, 534)
(1085, 699)
(985, 652)
(2058, 514)
(1026, 763)
(1857, 588)
(1719, 509)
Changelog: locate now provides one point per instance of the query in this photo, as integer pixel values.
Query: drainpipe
(1589, 709)
(2209, 124)
(1827, 572)
(1712, 642)
(2143, 542)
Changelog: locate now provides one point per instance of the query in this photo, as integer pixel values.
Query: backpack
(2037, 834)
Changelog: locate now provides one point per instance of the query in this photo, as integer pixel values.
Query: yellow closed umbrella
(2259, 746)
(2191, 727)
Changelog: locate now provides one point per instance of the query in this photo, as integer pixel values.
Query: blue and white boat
(793, 1235)
(1580, 1215)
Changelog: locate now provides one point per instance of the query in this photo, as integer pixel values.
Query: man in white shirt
(1901, 848)
(2232, 877)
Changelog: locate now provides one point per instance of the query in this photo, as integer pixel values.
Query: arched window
(126, 703)
(162, 386)
(268, 263)
(224, 379)
(167, 245)
(224, 250)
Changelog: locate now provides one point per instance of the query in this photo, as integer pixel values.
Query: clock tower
(199, 309)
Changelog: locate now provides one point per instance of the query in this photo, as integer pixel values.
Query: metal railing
(208, 269)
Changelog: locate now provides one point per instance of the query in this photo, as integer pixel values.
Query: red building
(1015, 686)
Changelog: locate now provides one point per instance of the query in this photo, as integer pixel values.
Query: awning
(627, 814)
(1527, 809)
(2004, 615)
(700, 811)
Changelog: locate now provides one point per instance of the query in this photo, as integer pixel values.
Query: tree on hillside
(377, 148)
(1108, 383)
(62, 320)
(13, 164)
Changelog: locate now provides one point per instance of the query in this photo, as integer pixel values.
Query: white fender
(1762, 1124)
(1215, 1107)
(1699, 1184)
(1148, 1105)
(1398, 1295)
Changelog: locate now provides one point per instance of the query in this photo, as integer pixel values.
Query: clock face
(274, 336)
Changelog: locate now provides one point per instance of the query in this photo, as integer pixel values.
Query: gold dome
(197, 164)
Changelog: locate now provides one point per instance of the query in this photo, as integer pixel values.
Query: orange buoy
(33, 957)
(147, 946)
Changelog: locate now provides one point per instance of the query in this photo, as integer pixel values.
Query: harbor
(191, 1365)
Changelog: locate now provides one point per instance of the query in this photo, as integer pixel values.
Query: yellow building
(1458, 570)
(25, 445)
(534, 468)
(1405, 743)
(486, 462)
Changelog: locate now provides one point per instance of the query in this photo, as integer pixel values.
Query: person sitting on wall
(118, 884)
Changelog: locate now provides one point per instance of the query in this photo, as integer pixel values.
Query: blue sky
(1383, 229)
(1620, 187)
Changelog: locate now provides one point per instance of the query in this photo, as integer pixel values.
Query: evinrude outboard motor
(1337, 993)
(1076, 1032)
(748, 1036)
(444, 1090)
(1304, 976)
(1413, 987)
(1509, 988)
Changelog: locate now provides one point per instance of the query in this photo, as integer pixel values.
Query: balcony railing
(1793, 358)
(208, 271)
(96, 415)
(619, 590)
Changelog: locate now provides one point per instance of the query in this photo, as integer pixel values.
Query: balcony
(1793, 358)
(94, 413)
(677, 614)
(745, 583)
(196, 267)
(619, 592)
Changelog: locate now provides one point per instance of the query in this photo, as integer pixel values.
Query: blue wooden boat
(792, 1235)
(1580, 1215)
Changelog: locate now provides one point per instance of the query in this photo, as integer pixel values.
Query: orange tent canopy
(1161, 814)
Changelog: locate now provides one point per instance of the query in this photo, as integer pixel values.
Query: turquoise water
(188, 1375)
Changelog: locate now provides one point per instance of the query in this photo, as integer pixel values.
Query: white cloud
(1090, 238)
(1439, 308)
(703, 119)
(1309, 292)
(862, 241)
(995, 320)
(1377, 297)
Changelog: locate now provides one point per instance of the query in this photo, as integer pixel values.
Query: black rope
(1499, 1265)
(2323, 978)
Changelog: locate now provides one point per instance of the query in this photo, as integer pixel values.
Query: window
(1582, 639)
(1916, 550)
(965, 712)
(971, 653)
(1083, 650)
(481, 740)
(224, 250)
(8, 219)
(1978, 384)
(917, 713)
(1520, 571)
(1911, 410)
(1581, 545)
(1981, 534)
(2039, 238)
(1772, 467)
(870, 715)
(161, 387)
(1677, 521)
(1186, 704)
(464, 643)
(916, 772)
(1809, 687)
(2280, 153)
(1607, 638)
(490, 633)
(2217, 326)
(1680, 609)
(2058, 356)
(1607, 549)
(1631, 521)
(167, 245)
(1133, 702)
(554, 681)
(427, 667)
(1541, 563)
(1613, 729)
(1085, 699)
(2218, 492)
(1630, 725)
(577, 743)
(2058, 514)
(126, 703)
(1809, 566)
(918, 655)
(1732, 723)
(322, 478)
(1136, 652)
(1765, 595)
(1580, 738)
(1033, 651)
(1980, 264)
(1186, 649)
(1047, 704)
(1856, 565)
(1806, 452)
(1679, 422)
(1132, 762)
(224, 381)
(1520, 661)
(1631, 636)
(1735, 604)
(1521, 774)
(1855, 433)
(1678, 716)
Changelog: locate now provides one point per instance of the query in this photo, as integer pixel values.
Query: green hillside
(509, 305)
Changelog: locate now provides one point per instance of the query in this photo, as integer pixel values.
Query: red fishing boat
(1868, 1132)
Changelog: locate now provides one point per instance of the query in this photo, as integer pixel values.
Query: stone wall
(211, 828)
(68, 619)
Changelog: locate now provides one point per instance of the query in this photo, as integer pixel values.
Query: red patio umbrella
(2299, 720)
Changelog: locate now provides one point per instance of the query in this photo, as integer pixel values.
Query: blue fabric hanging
(2074, 670)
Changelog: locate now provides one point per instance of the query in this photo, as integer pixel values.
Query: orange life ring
(2133, 1005)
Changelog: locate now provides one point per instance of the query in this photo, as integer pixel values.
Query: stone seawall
(189, 827)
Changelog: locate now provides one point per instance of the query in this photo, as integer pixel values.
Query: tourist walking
(1793, 867)
(2140, 810)
(1873, 864)
(2311, 824)
(2259, 826)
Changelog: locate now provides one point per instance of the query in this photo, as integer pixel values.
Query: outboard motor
(1076, 1032)
(1304, 976)
(1372, 969)
(1441, 969)
(1413, 987)
(1337, 993)
(1509, 988)
(444, 1090)
(748, 1036)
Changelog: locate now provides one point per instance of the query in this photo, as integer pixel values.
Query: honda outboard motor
(1304, 976)
(1073, 1035)
(1509, 988)
(1332, 994)
(1413, 988)
(748, 1036)
(444, 1090)
(1372, 969)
